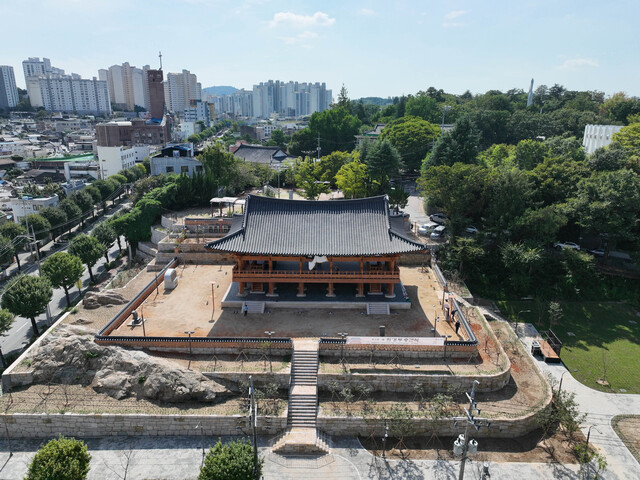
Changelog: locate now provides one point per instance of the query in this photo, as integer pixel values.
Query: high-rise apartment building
(52, 89)
(180, 89)
(198, 111)
(291, 99)
(127, 85)
(8, 90)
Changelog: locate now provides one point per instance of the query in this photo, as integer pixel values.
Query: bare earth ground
(628, 429)
(189, 308)
(527, 449)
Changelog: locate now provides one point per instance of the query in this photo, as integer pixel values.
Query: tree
(72, 211)
(37, 224)
(233, 460)
(398, 197)
(461, 145)
(17, 234)
(332, 163)
(383, 161)
(83, 200)
(413, 137)
(28, 297)
(351, 179)
(529, 153)
(63, 270)
(343, 99)
(60, 459)
(423, 106)
(7, 250)
(629, 137)
(89, 249)
(612, 157)
(336, 128)
(279, 138)
(619, 107)
(6, 320)
(106, 235)
(509, 194)
(608, 202)
(307, 176)
(56, 217)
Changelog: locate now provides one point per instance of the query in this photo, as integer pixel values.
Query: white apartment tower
(180, 89)
(50, 88)
(8, 90)
(126, 85)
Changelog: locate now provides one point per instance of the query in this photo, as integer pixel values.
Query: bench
(548, 354)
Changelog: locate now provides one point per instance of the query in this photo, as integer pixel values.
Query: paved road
(21, 331)
(179, 458)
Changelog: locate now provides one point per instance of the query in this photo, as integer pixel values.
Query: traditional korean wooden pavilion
(331, 242)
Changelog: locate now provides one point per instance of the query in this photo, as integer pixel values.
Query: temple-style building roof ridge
(279, 227)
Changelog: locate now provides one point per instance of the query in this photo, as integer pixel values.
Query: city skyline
(374, 49)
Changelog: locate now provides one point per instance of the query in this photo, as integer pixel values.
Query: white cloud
(366, 12)
(293, 20)
(453, 24)
(455, 14)
(578, 63)
(300, 39)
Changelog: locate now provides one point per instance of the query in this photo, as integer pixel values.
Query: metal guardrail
(256, 340)
(439, 274)
(333, 341)
(465, 323)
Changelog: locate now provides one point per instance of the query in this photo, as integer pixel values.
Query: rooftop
(273, 226)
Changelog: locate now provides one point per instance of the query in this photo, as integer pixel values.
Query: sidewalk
(599, 407)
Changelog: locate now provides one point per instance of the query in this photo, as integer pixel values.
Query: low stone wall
(387, 351)
(157, 235)
(20, 425)
(414, 259)
(279, 378)
(499, 428)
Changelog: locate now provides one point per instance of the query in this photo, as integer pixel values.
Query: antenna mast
(160, 55)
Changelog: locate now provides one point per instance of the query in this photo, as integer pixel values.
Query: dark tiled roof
(303, 228)
(260, 154)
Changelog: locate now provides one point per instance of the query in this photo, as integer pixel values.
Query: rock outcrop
(68, 355)
(94, 300)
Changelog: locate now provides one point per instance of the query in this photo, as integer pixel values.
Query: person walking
(457, 326)
(245, 309)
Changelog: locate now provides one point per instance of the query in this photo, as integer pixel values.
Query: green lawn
(605, 338)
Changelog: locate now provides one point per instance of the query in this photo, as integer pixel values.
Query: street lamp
(518, 319)
(343, 336)
(189, 333)
(561, 377)
(446, 337)
(589, 434)
(213, 297)
(270, 366)
(199, 426)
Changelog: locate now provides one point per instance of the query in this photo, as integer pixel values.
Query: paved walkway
(600, 408)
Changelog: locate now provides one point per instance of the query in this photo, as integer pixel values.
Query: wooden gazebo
(331, 242)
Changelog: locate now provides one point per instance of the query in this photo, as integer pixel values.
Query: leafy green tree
(608, 202)
(461, 145)
(520, 262)
(63, 270)
(466, 253)
(609, 158)
(72, 211)
(383, 161)
(565, 147)
(28, 297)
(509, 193)
(60, 459)
(308, 179)
(7, 250)
(336, 128)
(498, 156)
(56, 217)
(37, 224)
(629, 137)
(332, 163)
(413, 137)
(94, 192)
(619, 107)
(6, 321)
(458, 189)
(279, 138)
(351, 179)
(83, 200)
(556, 179)
(530, 153)
(398, 197)
(540, 224)
(88, 249)
(302, 142)
(233, 460)
(423, 106)
(221, 166)
(18, 235)
(343, 99)
(106, 235)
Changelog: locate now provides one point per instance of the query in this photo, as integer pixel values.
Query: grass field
(605, 341)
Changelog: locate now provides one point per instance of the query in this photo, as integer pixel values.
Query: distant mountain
(375, 101)
(221, 90)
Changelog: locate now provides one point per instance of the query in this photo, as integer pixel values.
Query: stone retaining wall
(386, 351)
(21, 425)
(157, 235)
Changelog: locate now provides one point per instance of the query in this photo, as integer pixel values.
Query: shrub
(60, 459)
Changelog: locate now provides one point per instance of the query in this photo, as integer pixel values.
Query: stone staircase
(380, 308)
(302, 436)
(253, 307)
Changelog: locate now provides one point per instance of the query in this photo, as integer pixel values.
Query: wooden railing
(314, 276)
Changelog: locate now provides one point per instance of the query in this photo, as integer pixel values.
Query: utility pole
(253, 418)
(470, 419)
(318, 148)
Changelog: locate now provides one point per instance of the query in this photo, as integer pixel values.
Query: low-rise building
(114, 159)
(596, 136)
(176, 158)
(26, 205)
(271, 156)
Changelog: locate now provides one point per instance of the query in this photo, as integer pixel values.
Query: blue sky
(374, 48)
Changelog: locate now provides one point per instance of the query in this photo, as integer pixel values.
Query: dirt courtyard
(189, 308)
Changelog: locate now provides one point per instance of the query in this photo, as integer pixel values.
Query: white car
(471, 230)
(426, 228)
(571, 245)
(438, 233)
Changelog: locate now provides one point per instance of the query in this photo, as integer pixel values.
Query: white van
(438, 232)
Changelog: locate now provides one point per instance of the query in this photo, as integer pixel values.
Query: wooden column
(330, 290)
(241, 291)
(360, 290)
(272, 288)
(300, 260)
(301, 290)
(361, 266)
(390, 292)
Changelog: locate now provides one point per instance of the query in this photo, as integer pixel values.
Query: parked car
(440, 218)
(571, 245)
(598, 252)
(426, 228)
(438, 233)
(471, 230)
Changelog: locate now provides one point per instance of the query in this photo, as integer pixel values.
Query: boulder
(69, 355)
(94, 300)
